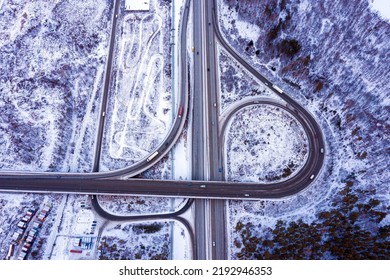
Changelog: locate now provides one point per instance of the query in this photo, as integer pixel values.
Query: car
(202, 186)
(215, 105)
(213, 243)
(312, 177)
(246, 195)
(322, 150)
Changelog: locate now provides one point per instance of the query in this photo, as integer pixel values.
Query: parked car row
(28, 230)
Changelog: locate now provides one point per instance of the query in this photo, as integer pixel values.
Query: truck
(152, 156)
(10, 251)
(76, 251)
(26, 218)
(22, 256)
(180, 114)
(37, 225)
(22, 224)
(26, 248)
(41, 217)
(30, 212)
(16, 237)
(278, 88)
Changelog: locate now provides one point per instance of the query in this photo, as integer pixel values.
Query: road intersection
(113, 181)
(208, 129)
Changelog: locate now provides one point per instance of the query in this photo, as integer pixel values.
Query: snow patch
(382, 7)
(264, 144)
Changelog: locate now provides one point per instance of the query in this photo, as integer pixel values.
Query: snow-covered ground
(332, 57)
(264, 143)
(52, 59)
(382, 7)
(73, 230)
(236, 83)
(138, 206)
(139, 113)
(71, 222)
(146, 241)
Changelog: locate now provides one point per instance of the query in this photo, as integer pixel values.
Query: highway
(198, 122)
(146, 187)
(108, 182)
(206, 151)
(217, 212)
(106, 87)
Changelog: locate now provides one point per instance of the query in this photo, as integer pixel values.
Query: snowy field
(52, 59)
(139, 113)
(137, 206)
(144, 241)
(382, 7)
(336, 65)
(174, 166)
(264, 143)
(236, 83)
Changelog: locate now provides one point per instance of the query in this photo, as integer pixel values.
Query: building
(137, 5)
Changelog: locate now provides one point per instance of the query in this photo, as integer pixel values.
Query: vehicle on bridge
(152, 156)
